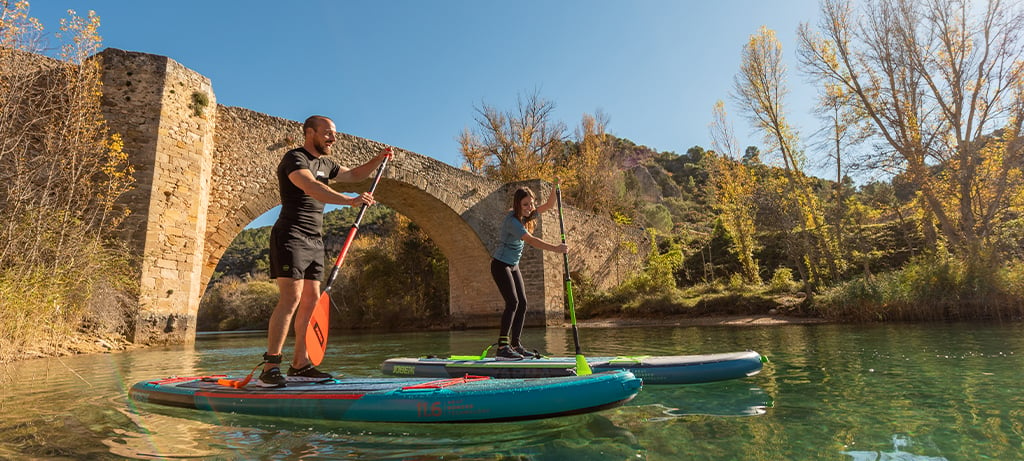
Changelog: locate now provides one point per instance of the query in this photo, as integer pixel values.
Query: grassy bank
(47, 312)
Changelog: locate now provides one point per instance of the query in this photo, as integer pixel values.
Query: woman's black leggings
(510, 284)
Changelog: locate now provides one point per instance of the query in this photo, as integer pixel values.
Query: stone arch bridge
(205, 171)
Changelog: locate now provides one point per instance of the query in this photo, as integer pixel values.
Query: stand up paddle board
(408, 400)
(674, 369)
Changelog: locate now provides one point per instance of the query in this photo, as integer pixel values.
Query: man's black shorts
(296, 254)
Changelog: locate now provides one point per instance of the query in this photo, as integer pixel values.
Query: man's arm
(363, 171)
(303, 179)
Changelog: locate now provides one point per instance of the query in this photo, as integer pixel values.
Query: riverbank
(723, 320)
(80, 343)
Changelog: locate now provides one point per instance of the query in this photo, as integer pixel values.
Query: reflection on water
(898, 443)
(830, 392)
(724, 398)
(177, 437)
(200, 434)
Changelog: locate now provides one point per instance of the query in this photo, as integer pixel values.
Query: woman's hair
(517, 209)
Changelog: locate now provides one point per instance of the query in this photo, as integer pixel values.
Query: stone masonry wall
(165, 114)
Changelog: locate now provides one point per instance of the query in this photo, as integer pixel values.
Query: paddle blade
(316, 331)
(582, 367)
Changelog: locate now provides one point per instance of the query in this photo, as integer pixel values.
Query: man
(296, 242)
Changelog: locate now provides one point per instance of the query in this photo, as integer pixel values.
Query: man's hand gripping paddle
(316, 332)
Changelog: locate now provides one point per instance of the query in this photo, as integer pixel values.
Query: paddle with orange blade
(316, 331)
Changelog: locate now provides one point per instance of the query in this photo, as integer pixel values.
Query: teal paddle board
(466, 399)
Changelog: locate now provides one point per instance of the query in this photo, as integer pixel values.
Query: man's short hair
(313, 122)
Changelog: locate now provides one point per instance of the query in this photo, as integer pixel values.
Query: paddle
(582, 368)
(316, 331)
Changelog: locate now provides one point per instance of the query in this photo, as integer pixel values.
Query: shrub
(935, 287)
(782, 281)
(658, 274)
(737, 283)
(397, 281)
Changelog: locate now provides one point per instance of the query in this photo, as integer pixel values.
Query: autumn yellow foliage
(61, 175)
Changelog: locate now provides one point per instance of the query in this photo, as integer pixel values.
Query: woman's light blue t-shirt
(510, 244)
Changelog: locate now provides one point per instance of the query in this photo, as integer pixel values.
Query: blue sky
(410, 72)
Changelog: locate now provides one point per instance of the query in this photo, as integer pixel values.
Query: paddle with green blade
(582, 368)
(316, 331)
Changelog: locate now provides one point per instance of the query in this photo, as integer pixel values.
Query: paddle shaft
(352, 230)
(568, 280)
(317, 329)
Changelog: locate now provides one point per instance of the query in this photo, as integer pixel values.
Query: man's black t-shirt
(299, 211)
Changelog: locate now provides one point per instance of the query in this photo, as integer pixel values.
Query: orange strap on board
(443, 383)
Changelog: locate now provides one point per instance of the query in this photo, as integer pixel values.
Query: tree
(61, 174)
(733, 185)
(760, 88)
(940, 81)
(846, 127)
(527, 144)
(515, 145)
(60, 170)
(588, 170)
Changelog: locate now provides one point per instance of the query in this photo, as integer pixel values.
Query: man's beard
(323, 148)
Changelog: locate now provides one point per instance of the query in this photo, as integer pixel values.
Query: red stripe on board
(264, 396)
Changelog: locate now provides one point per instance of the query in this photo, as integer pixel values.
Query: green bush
(782, 281)
(737, 283)
(658, 274)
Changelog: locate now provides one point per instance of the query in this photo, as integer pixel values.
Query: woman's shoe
(508, 353)
(526, 353)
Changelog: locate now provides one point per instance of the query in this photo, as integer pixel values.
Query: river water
(830, 392)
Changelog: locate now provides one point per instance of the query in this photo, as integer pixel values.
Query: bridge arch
(205, 171)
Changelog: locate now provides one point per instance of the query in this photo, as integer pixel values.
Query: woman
(515, 230)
